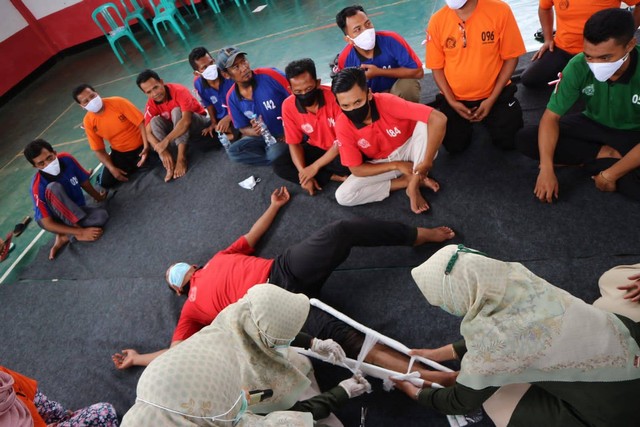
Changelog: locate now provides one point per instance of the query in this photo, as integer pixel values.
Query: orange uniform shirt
(25, 389)
(571, 15)
(472, 52)
(117, 123)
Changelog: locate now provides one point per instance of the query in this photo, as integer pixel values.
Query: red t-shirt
(177, 96)
(224, 280)
(394, 120)
(320, 127)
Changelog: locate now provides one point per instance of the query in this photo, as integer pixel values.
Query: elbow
(438, 119)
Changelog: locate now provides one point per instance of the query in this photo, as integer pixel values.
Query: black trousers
(283, 166)
(305, 266)
(546, 68)
(127, 161)
(322, 325)
(579, 142)
(502, 122)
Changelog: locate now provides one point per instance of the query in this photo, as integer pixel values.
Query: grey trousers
(161, 127)
(65, 210)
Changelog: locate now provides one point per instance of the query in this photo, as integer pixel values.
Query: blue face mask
(242, 401)
(177, 273)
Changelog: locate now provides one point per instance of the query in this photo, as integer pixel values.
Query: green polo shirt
(613, 104)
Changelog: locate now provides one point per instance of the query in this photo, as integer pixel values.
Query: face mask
(177, 273)
(95, 105)
(456, 4)
(604, 70)
(366, 40)
(358, 115)
(211, 72)
(52, 168)
(309, 98)
(222, 417)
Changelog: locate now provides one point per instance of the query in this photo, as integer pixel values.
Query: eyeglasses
(464, 34)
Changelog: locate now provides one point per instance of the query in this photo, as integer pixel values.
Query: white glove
(329, 349)
(355, 386)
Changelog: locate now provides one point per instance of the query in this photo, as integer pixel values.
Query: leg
(182, 140)
(274, 151)
(95, 217)
(63, 208)
(500, 406)
(181, 161)
(459, 130)
(535, 407)
(357, 190)
(249, 150)
(629, 185)
(99, 415)
(505, 119)
(50, 410)
(407, 89)
(285, 169)
(305, 266)
(612, 298)
(546, 68)
(127, 161)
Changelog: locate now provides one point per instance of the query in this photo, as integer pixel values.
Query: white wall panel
(12, 20)
(42, 8)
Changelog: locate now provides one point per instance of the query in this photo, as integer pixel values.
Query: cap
(227, 56)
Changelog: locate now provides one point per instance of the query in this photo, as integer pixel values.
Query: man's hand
(546, 186)
(280, 197)
(126, 359)
(307, 173)
(255, 125)
(161, 146)
(423, 168)
(119, 174)
(370, 70)
(405, 168)
(143, 156)
(89, 234)
(329, 349)
(208, 131)
(546, 46)
(311, 186)
(102, 196)
(483, 110)
(462, 110)
(633, 289)
(224, 125)
(603, 182)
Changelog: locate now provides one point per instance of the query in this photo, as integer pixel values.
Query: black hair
(146, 75)
(301, 66)
(34, 148)
(608, 24)
(347, 78)
(197, 53)
(347, 12)
(78, 90)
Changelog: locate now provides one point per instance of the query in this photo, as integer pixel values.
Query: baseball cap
(227, 55)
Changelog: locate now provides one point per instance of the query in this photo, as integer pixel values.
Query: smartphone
(257, 396)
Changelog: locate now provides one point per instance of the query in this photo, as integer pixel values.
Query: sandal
(19, 228)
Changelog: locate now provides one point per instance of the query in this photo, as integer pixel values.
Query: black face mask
(358, 115)
(309, 98)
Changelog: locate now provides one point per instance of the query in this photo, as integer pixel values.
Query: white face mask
(604, 70)
(95, 105)
(366, 40)
(456, 4)
(211, 72)
(52, 168)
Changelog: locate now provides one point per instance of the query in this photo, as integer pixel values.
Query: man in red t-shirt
(301, 268)
(172, 115)
(400, 139)
(309, 118)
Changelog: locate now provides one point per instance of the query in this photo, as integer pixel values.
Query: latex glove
(329, 349)
(355, 386)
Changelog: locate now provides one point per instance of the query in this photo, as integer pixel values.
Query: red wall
(30, 47)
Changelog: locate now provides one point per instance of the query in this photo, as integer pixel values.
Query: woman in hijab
(208, 379)
(531, 354)
(23, 405)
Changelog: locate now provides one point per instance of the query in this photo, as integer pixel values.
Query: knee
(526, 141)
(101, 217)
(344, 197)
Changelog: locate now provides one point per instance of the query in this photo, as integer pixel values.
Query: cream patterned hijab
(519, 328)
(204, 375)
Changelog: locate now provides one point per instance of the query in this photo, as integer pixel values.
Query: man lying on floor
(303, 267)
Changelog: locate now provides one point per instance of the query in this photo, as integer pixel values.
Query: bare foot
(418, 203)
(169, 175)
(181, 168)
(61, 240)
(608, 152)
(430, 183)
(338, 178)
(436, 235)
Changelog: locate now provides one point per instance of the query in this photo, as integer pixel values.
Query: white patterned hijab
(518, 328)
(203, 376)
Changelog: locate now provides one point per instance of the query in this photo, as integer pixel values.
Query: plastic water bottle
(268, 138)
(224, 140)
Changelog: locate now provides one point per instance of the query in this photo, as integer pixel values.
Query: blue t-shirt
(391, 51)
(210, 96)
(71, 176)
(269, 92)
